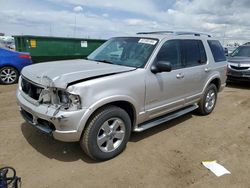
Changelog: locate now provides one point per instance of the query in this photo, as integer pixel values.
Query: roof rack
(175, 33)
(155, 32)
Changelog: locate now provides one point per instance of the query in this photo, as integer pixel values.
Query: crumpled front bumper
(63, 125)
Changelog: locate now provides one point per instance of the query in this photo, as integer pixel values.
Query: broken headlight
(68, 100)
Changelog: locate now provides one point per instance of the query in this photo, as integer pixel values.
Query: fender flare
(215, 76)
(103, 102)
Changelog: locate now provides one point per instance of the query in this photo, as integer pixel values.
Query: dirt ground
(169, 155)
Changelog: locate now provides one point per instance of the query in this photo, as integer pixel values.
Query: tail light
(25, 56)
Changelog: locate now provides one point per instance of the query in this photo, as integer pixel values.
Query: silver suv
(128, 84)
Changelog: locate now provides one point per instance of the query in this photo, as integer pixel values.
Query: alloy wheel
(8, 75)
(210, 100)
(111, 134)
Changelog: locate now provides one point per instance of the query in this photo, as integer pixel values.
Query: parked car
(7, 42)
(239, 64)
(11, 64)
(127, 84)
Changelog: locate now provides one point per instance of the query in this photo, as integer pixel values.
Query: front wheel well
(128, 107)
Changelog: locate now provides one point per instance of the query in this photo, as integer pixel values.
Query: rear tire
(8, 75)
(208, 101)
(107, 133)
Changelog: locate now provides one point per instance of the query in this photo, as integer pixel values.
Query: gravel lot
(169, 155)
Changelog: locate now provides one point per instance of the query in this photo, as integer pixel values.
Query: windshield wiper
(103, 61)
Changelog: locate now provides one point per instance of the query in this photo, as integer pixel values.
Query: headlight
(68, 100)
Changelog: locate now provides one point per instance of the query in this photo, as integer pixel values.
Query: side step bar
(163, 119)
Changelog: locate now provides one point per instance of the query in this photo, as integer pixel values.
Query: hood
(63, 73)
(241, 60)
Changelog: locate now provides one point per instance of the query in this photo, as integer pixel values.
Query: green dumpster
(42, 48)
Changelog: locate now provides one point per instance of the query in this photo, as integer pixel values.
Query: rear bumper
(63, 126)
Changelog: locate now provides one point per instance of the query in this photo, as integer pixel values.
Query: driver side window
(171, 52)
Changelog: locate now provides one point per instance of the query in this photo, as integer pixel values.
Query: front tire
(107, 133)
(208, 101)
(8, 75)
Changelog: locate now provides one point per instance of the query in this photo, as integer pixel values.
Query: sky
(229, 20)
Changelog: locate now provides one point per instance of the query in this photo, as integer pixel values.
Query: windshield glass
(126, 51)
(242, 51)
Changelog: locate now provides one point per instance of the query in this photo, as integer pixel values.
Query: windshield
(242, 51)
(126, 51)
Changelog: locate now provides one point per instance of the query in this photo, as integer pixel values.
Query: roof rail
(175, 33)
(192, 33)
(156, 32)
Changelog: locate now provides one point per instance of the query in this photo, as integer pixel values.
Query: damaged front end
(67, 101)
(52, 110)
(48, 94)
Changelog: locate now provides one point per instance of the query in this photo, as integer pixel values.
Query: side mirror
(161, 66)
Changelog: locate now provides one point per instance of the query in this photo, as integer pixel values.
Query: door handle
(207, 69)
(180, 76)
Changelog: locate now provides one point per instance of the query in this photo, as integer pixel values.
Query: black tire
(207, 103)
(95, 129)
(8, 75)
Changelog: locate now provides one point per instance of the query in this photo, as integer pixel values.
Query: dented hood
(62, 73)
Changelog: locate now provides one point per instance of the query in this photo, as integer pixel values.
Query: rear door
(195, 74)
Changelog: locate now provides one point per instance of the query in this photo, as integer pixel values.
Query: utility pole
(76, 9)
(224, 35)
(75, 26)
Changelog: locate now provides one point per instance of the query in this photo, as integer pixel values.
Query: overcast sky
(108, 18)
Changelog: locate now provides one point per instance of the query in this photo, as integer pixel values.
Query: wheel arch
(216, 82)
(126, 105)
(9, 65)
(213, 80)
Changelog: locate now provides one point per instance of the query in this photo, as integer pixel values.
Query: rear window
(194, 52)
(183, 53)
(217, 50)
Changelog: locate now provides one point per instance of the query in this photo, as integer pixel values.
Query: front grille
(31, 89)
(239, 68)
